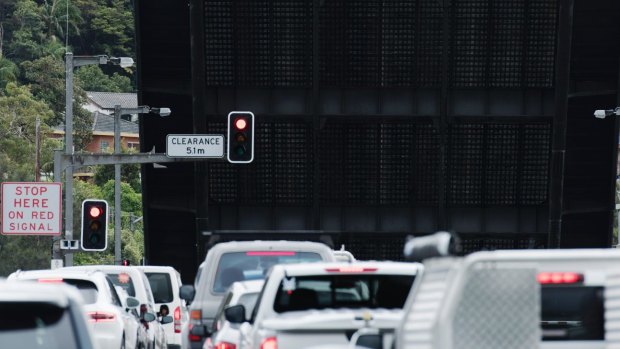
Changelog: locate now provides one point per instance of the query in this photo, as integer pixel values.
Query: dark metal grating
(478, 242)
(385, 163)
(380, 43)
(534, 172)
(219, 43)
(540, 42)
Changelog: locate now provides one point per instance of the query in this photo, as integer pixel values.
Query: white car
(136, 322)
(107, 317)
(223, 333)
(319, 305)
(41, 316)
(165, 283)
(136, 284)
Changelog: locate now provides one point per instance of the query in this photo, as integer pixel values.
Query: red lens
(241, 124)
(95, 212)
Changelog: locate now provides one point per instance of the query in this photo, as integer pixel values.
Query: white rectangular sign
(195, 146)
(31, 208)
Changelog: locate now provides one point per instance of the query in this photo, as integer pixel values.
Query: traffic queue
(304, 295)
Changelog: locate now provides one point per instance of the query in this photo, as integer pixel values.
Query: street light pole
(69, 151)
(117, 186)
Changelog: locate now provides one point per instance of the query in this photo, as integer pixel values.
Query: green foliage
(92, 78)
(24, 252)
(112, 26)
(130, 200)
(129, 174)
(18, 113)
(8, 72)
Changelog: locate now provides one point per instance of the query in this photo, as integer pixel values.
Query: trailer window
(572, 313)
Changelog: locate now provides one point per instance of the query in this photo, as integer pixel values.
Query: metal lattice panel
(506, 53)
(470, 42)
(426, 165)
(465, 168)
(368, 247)
(541, 37)
(499, 242)
(533, 183)
(398, 43)
(256, 179)
(223, 176)
(291, 38)
(361, 165)
(430, 43)
(219, 43)
(498, 309)
(396, 168)
(293, 163)
(252, 42)
(502, 164)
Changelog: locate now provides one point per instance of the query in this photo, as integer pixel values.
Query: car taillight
(351, 269)
(51, 280)
(559, 278)
(177, 320)
(193, 338)
(269, 343)
(225, 345)
(195, 315)
(99, 316)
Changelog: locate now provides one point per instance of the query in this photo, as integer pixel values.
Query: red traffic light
(241, 124)
(95, 212)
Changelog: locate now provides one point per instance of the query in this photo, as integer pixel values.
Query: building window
(133, 145)
(104, 145)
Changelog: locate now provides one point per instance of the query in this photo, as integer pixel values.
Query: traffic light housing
(240, 141)
(94, 235)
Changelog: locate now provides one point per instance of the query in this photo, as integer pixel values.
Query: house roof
(105, 123)
(107, 100)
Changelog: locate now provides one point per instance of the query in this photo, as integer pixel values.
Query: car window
(219, 317)
(248, 301)
(147, 287)
(572, 313)
(125, 281)
(35, 325)
(87, 289)
(253, 265)
(161, 286)
(113, 294)
(342, 291)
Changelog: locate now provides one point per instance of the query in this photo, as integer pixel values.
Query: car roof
(106, 268)
(268, 244)
(381, 267)
(28, 291)
(82, 274)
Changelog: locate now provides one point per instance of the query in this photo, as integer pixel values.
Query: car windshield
(123, 280)
(253, 265)
(572, 313)
(161, 286)
(36, 325)
(342, 291)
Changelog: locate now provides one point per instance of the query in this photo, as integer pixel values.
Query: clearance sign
(31, 208)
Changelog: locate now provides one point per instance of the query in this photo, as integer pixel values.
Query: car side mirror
(132, 302)
(148, 317)
(187, 292)
(166, 319)
(200, 331)
(235, 314)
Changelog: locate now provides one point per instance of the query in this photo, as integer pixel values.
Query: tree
(130, 173)
(18, 114)
(130, 200)
(47, 76)
(92, 78)
(111, 27)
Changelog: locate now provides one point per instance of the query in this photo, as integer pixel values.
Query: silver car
(223, 333)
